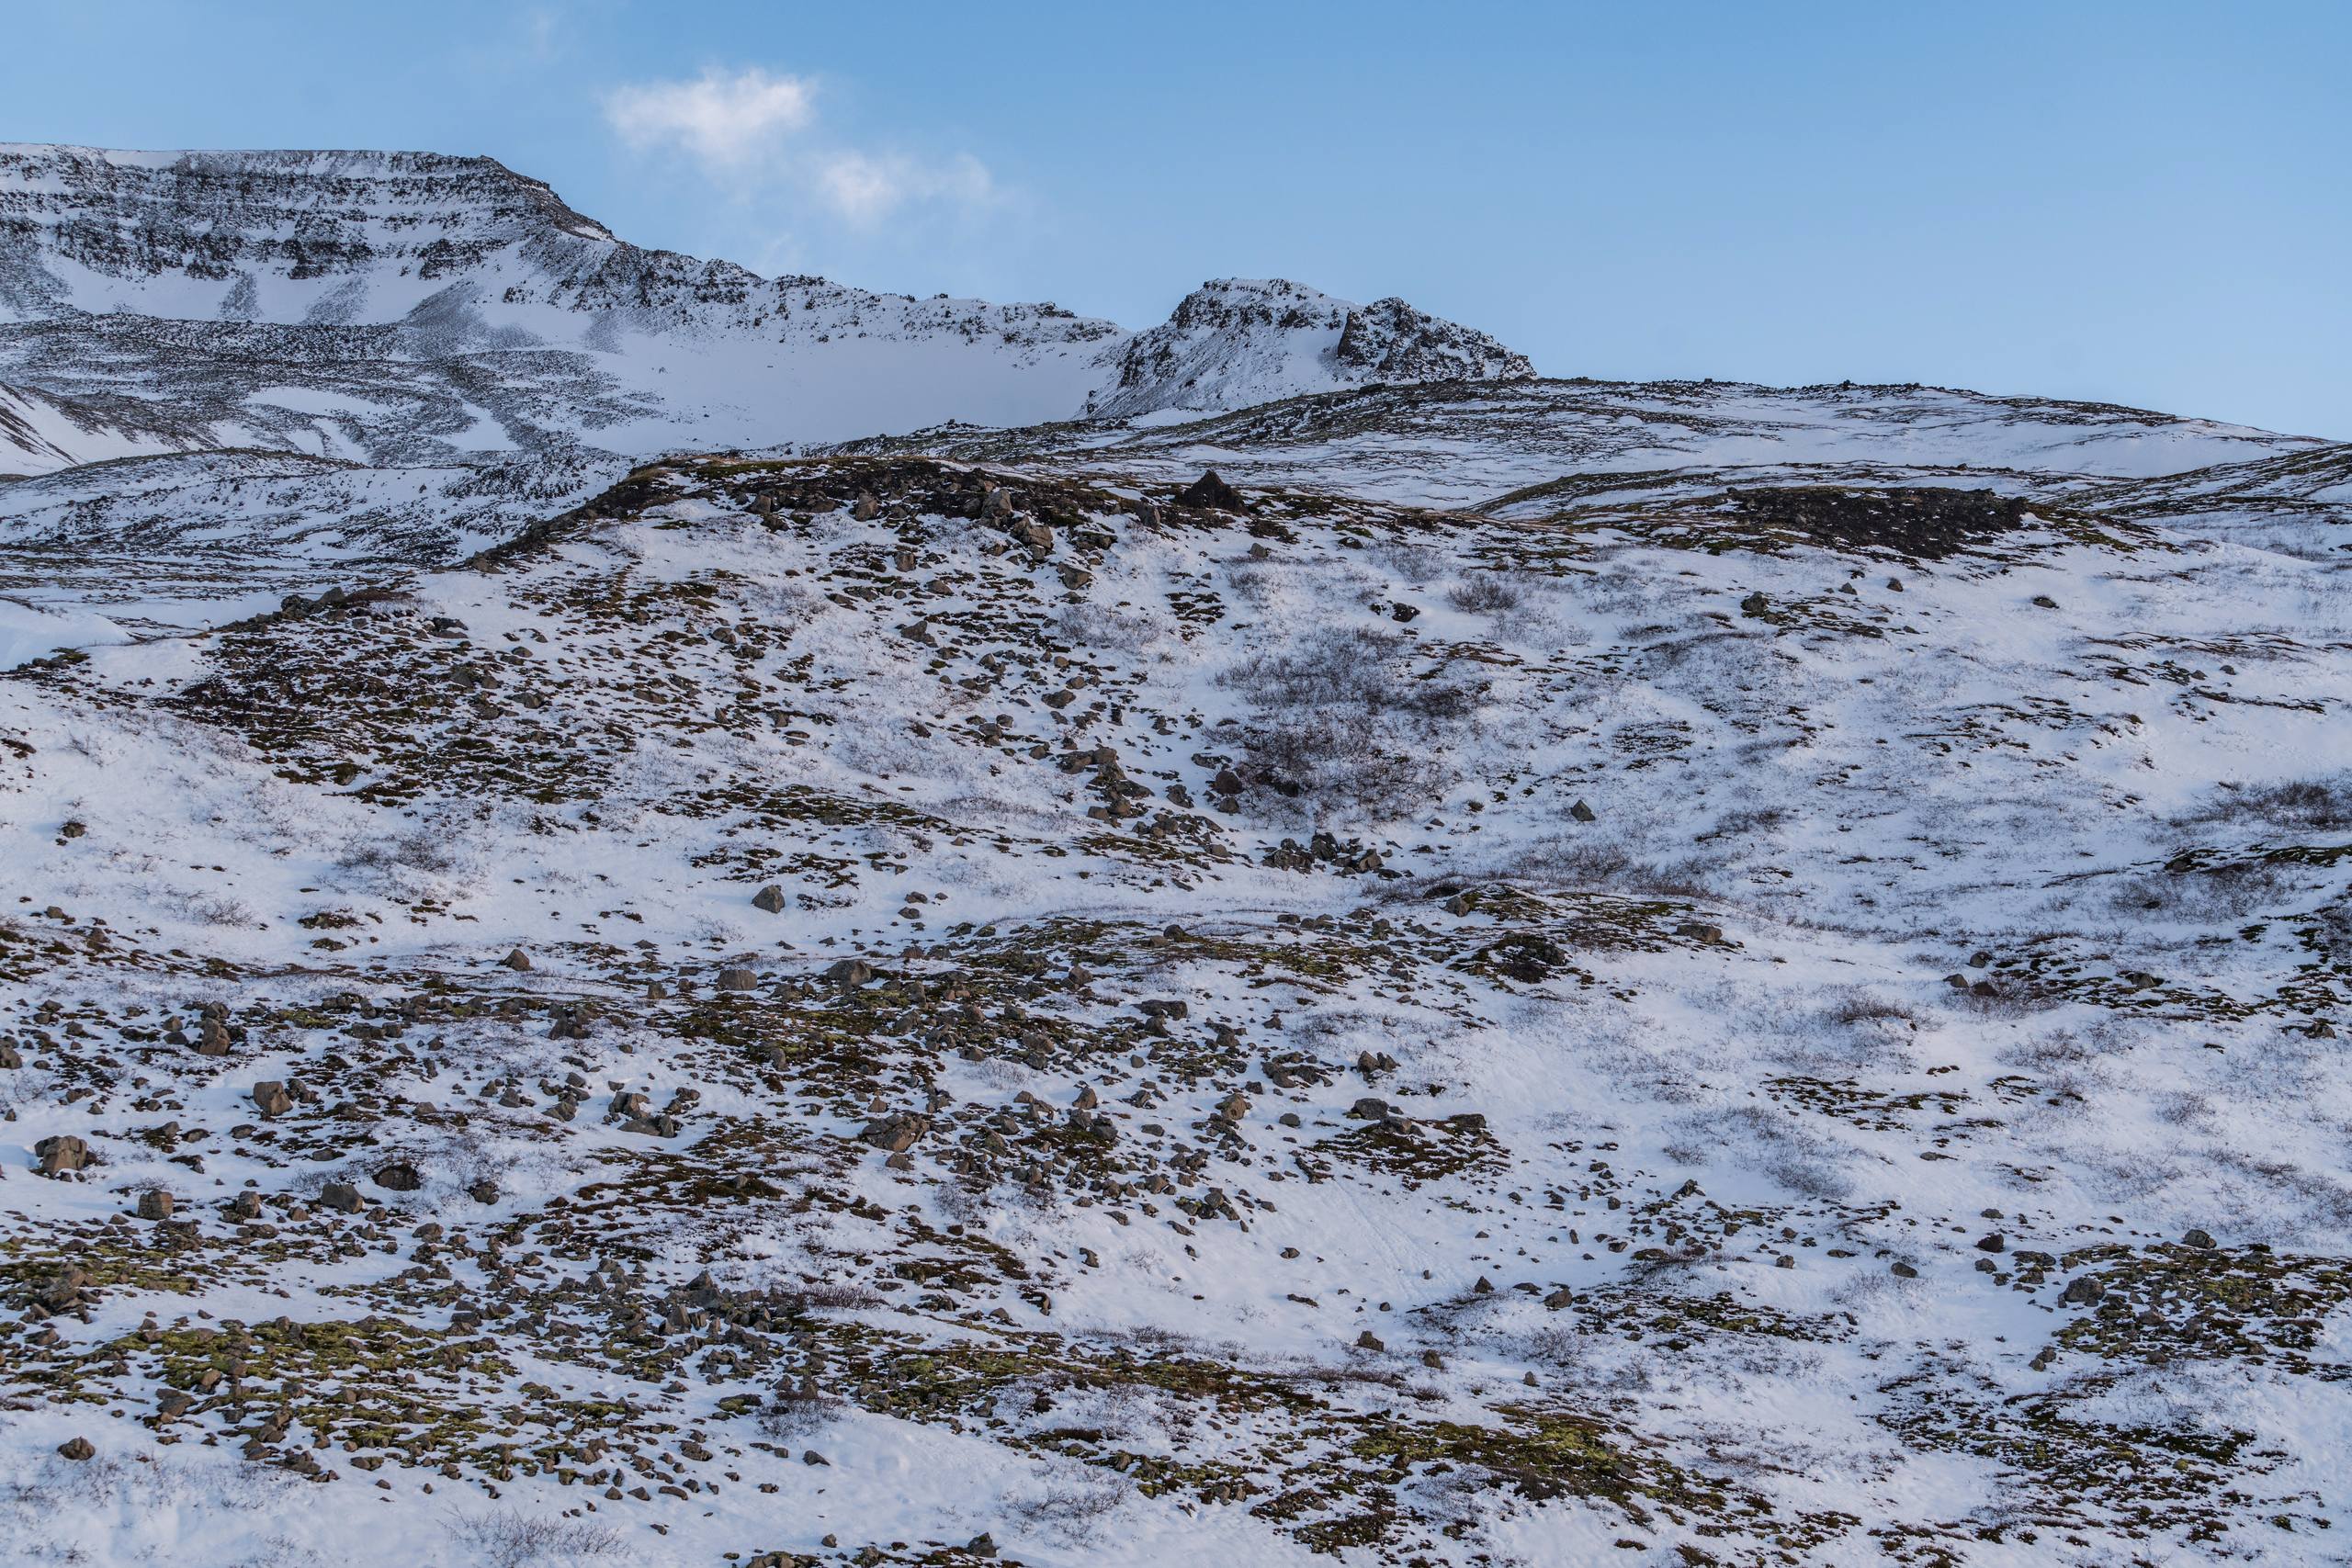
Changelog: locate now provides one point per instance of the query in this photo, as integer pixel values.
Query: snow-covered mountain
(405, 306)
(1239, 342)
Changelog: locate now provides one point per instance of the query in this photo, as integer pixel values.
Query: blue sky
(2143, 203)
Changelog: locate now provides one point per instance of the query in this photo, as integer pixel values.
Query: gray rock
(62, 1155)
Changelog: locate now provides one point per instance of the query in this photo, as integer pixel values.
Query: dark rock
(897, 1132)
(770, 898)
(77, 1449)
(341, 1197)
(1211, 492)
(156, 1204)
(399, 1177)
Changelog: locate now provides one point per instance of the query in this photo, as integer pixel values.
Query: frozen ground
(1625, 1026)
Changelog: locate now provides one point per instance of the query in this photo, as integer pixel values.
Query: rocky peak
(1236, 342)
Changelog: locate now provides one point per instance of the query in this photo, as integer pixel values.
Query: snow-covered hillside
(873, 1008)
(1533, 972)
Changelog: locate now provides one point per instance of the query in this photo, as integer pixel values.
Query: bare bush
(514, 1540)
(1071, 1504)
(1860, 1007)
(797, 1410)
(1484, 593)
(835, 1295)
(2324, 803)
(420, 851)
(1339, 721)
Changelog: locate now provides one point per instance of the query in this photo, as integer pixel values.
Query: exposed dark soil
(1926, 521)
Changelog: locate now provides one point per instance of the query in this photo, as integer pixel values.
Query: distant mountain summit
(399, 307)
(1234, 343)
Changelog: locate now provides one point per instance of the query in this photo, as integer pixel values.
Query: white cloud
(750, 124)
(725, 121)
(865, 189)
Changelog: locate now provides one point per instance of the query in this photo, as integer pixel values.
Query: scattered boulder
(770, 898)
(896, 1133)
(516, 960)
(77, 1449)
(1211, 492)
(399, 1177)
(737, 978)
(62, 1155)
(341, 1197)
(155, 1204)
(271, 1098)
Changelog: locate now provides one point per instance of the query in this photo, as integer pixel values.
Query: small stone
(770, 898)
(1368, 1340)
(77, 1449)
(516, 960)
(2197, 1239)
(341, 1196)
(399, 1177)
(1582, 812)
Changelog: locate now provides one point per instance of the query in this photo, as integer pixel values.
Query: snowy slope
(1705, 1030)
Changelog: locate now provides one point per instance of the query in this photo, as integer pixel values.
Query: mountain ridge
(461, 258)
